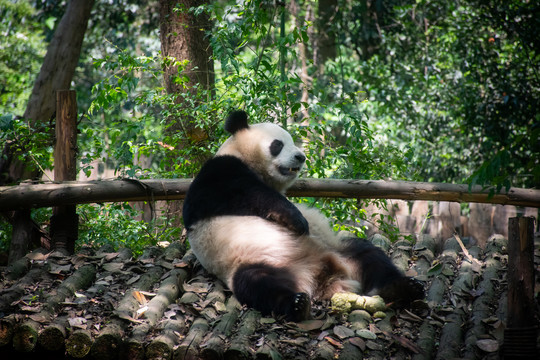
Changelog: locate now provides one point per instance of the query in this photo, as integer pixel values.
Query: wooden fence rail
(26, 196)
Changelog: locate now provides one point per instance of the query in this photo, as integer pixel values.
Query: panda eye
(275, 147)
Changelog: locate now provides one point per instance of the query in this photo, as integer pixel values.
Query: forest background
(398, 89)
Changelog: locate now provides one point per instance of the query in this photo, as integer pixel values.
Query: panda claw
(301, 307)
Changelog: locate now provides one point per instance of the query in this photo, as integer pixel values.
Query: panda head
(266, 148)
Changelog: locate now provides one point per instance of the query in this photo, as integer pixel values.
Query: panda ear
(237, 120)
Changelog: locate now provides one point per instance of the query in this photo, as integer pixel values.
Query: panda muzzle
(288, 171)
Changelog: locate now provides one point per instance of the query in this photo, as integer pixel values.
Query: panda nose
(300, 157)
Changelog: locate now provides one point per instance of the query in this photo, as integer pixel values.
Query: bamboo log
(16, 291)
(214, 347)
(162, 347)
(240, 346)
(268, 350)
(68, 193)
(428, 331)
(110, 341)
(134, 346)
(18, 268)
(52, 337)
(25, 336)
(451, 339)
(425, 249)
(80, 279)
(7, 326)
(168, 292)
(189, 347)
(483, 304)
(79, 343)
(402, 254)
(350, 351)
(108, 344)
(129, 304)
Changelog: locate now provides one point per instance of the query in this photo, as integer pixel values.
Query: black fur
(237, 120)
(276, 147)
(271, 290)
(378, 272)
(226, 186)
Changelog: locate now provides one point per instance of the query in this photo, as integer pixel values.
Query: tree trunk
(183, 37)
(325, 48)
(65, 221)
(56, 73)
(184, 40)
(303, 54)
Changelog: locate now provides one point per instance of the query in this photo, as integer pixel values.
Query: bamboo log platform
(162, 305)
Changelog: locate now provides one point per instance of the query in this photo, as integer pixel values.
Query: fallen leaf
(358, 342)
(366, 334)
(78, 322)
(113, 267)
(34, 309)
(403, 341)
(334, 342)
(309, 325)
(488, 345)
(133, 279)
(196, 287)
(37, 256)
(141, 312)
(372, 345)
(343, 332)
(58, 269)
(40, 318)
(141, 299)
(110, 256)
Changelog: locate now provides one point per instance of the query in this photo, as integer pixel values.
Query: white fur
(252, 146)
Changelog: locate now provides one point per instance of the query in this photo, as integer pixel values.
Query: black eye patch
(276, 147)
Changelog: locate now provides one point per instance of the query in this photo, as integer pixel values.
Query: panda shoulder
(223, 165)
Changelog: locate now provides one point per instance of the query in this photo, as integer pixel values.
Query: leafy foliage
(117, 224)
(457, 82)
(21, 52)
(419, 90)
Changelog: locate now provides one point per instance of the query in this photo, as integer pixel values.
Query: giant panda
(274, 255)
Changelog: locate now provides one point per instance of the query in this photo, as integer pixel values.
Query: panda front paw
(294, 222)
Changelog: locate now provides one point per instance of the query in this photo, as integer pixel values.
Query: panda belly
(223, 243)
(226, 244)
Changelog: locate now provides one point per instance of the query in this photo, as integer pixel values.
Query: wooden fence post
(65, 221)
(522, 320)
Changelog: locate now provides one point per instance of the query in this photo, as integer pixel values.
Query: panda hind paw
(301, 308)
(403, 291)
